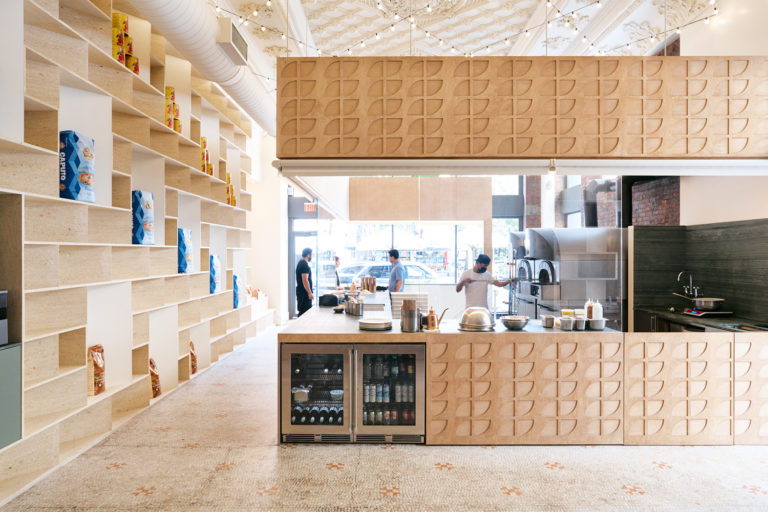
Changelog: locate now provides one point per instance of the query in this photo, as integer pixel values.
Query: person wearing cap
(475, 280)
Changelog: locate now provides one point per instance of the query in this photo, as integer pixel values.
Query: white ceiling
(472, 25)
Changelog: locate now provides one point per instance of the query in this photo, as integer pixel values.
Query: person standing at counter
(397, 274)
(337, 263)
(304, 295)
(475, 280)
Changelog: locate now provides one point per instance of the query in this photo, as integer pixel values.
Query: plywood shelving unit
(78, 273)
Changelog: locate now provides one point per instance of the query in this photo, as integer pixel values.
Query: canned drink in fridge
(398, 393)
(371, 417)
(366, 390)
(393, 417)
(386, 417)
(385, 394)
(410, 392)
(379, 417)
(379, 393)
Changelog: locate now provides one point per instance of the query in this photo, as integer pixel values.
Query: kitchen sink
(747, 327)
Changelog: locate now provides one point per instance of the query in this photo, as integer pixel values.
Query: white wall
(12, 82)
(149, 176)
(110, 324)
(705, 199)
(268, 223)
(189, 218)
(333, 191)
(738, 29)
(164, 345)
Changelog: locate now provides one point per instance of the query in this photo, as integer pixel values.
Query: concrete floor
(212, 445)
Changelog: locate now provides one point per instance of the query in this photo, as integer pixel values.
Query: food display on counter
(76, 166)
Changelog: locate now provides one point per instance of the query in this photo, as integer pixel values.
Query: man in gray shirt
(397, 274)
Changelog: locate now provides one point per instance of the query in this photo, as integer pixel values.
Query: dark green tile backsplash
(728, 260)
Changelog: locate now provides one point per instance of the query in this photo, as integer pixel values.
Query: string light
(441, 42)
(378, 36)
(584, 39)
(245, 23)
(527, 33)
(349, 51)
(241, 20)
(256, 13)
(218, 9)
(427, 34)
(412, 19)
(392, 28)
(507, 42)
(263, 28)
(397, 17)
(678, 30)
(301, 44)
(599, 4)
(362, 44)
(706, 21)
(282, 36)
(429, 8)
(715, 11)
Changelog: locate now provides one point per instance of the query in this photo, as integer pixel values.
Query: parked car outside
(415, 272)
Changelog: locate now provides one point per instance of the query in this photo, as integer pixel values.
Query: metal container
(355, 308)
(707, 303)
(579, 323)
(476, 319)
(513, 322)
(410, 320)
(597, 324)
(566, 323)
(547, 321)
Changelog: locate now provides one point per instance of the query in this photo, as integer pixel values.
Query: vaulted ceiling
(477, 27)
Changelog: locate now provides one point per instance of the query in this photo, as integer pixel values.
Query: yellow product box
(128, 43)
(177, 125)
(118, 53)
(170, 93)
(132, 63)
(176, 111)
(118, 38)
(120, 21)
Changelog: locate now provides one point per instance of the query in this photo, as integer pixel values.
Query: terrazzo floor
(212, 446)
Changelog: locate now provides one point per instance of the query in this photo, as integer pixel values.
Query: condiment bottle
(588, 308)
(597, 310)
(431, 320)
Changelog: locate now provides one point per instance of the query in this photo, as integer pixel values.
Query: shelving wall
(73, 276)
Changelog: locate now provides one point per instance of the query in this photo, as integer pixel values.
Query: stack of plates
(375, 324)
(474, 328)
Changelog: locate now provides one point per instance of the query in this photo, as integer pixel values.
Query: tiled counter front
(678, 388)
(750, 388)
(524, 388)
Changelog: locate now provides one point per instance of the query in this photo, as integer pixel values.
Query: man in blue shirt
(397, 274)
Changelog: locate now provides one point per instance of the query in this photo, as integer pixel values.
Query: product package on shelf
(170, 98)
(176, 117)
(96, 370)
(154, 376)
(122, 43)
(143, 217)
(118, 45)
(193, 357)
(235, 291)
(185, 251)
(76, 166)
(132, 62)
(127, 44)
(215, 273)
(120, 21)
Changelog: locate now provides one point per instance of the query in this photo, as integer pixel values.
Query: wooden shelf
(63, 372)
(88, 8)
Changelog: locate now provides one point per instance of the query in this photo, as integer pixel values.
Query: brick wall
(656, 202)
(532, 202)
(607, 210)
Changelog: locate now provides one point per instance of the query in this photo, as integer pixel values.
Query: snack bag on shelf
(96, 370)
(154, 376)
(215, 273)
(185, 251)
(235, 291)
(120, 21)
(76, 166)
(193, 357)
(142, 203)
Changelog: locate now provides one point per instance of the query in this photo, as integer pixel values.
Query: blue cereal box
(215, 271)
(185, 251)
(143, 217)
(76, 170)
(235, 291)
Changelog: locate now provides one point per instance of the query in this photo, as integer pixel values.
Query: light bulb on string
(507, 42)
(397, 16)
(599, 4)
(245, 22)
(453, 49)
(549, 3)
(319, 51)
(584, 39)
(527, 33)
(255, 13)
(362, 44)
(712, 2)
(706, 21)
(413, 24)
(440, 43)
(392, 28)
(629, 46)
(378, 36)
(379, 6)
(412, 19)
(240, 20)
(567, 22)
(549, 24)
(715, 11)
(427, 34)
(301, 44)
(575, 29)
(218, 9)
(349, 51)
(488, 49)
(429, 8)
(282, 36)
(263, 28)
(678, 30)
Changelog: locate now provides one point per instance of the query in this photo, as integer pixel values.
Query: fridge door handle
(353, 389)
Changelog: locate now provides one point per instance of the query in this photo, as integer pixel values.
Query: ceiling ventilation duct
(192, 27)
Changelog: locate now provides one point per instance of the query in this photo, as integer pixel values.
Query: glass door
(390, 390)
(316, 397)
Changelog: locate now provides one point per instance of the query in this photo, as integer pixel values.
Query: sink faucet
(688, 289)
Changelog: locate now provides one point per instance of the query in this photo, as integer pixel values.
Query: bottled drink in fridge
(367, 369)
(371, 417)
(379, 393)
(379, 417)
(323, 416)
(378, 368)
(411, 391)
(366, 393)
(385, 368)
(333, 413)
(340, 416)
(395, 368)
(296, 415)
(386, 417)
(411, 364)
(314, 415)
(402, 364)
(393, 417)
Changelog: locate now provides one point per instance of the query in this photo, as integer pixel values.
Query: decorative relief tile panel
(750, 389)
(525, 389)
(677, 388)
(523, 107)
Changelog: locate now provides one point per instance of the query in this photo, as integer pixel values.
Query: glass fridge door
(390, 382)
(316, 401)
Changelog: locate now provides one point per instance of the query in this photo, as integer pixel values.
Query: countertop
(322, 324)
(717, 322)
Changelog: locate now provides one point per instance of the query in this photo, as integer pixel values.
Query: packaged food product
(154, 375)
(170, 93)
(215, 273)
(132, 63)
(235, 291)
(209, 168)
(185, 251)
(193, 357)
(118, 53)
(177, 125)
(96, 370)
(169, 117)
(142, 203)
(176, 110)
(118, 37)
(76, 166)
(229, 178)
(127, 43)
(203, 142)
(120, 21)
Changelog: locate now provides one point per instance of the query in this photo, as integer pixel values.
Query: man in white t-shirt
(475, 282)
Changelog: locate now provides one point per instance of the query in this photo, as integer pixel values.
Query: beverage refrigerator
(345, 393)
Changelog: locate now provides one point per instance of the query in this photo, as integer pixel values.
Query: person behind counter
(474, 282)
(397, 274)
(337, 263)
(304, 295)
